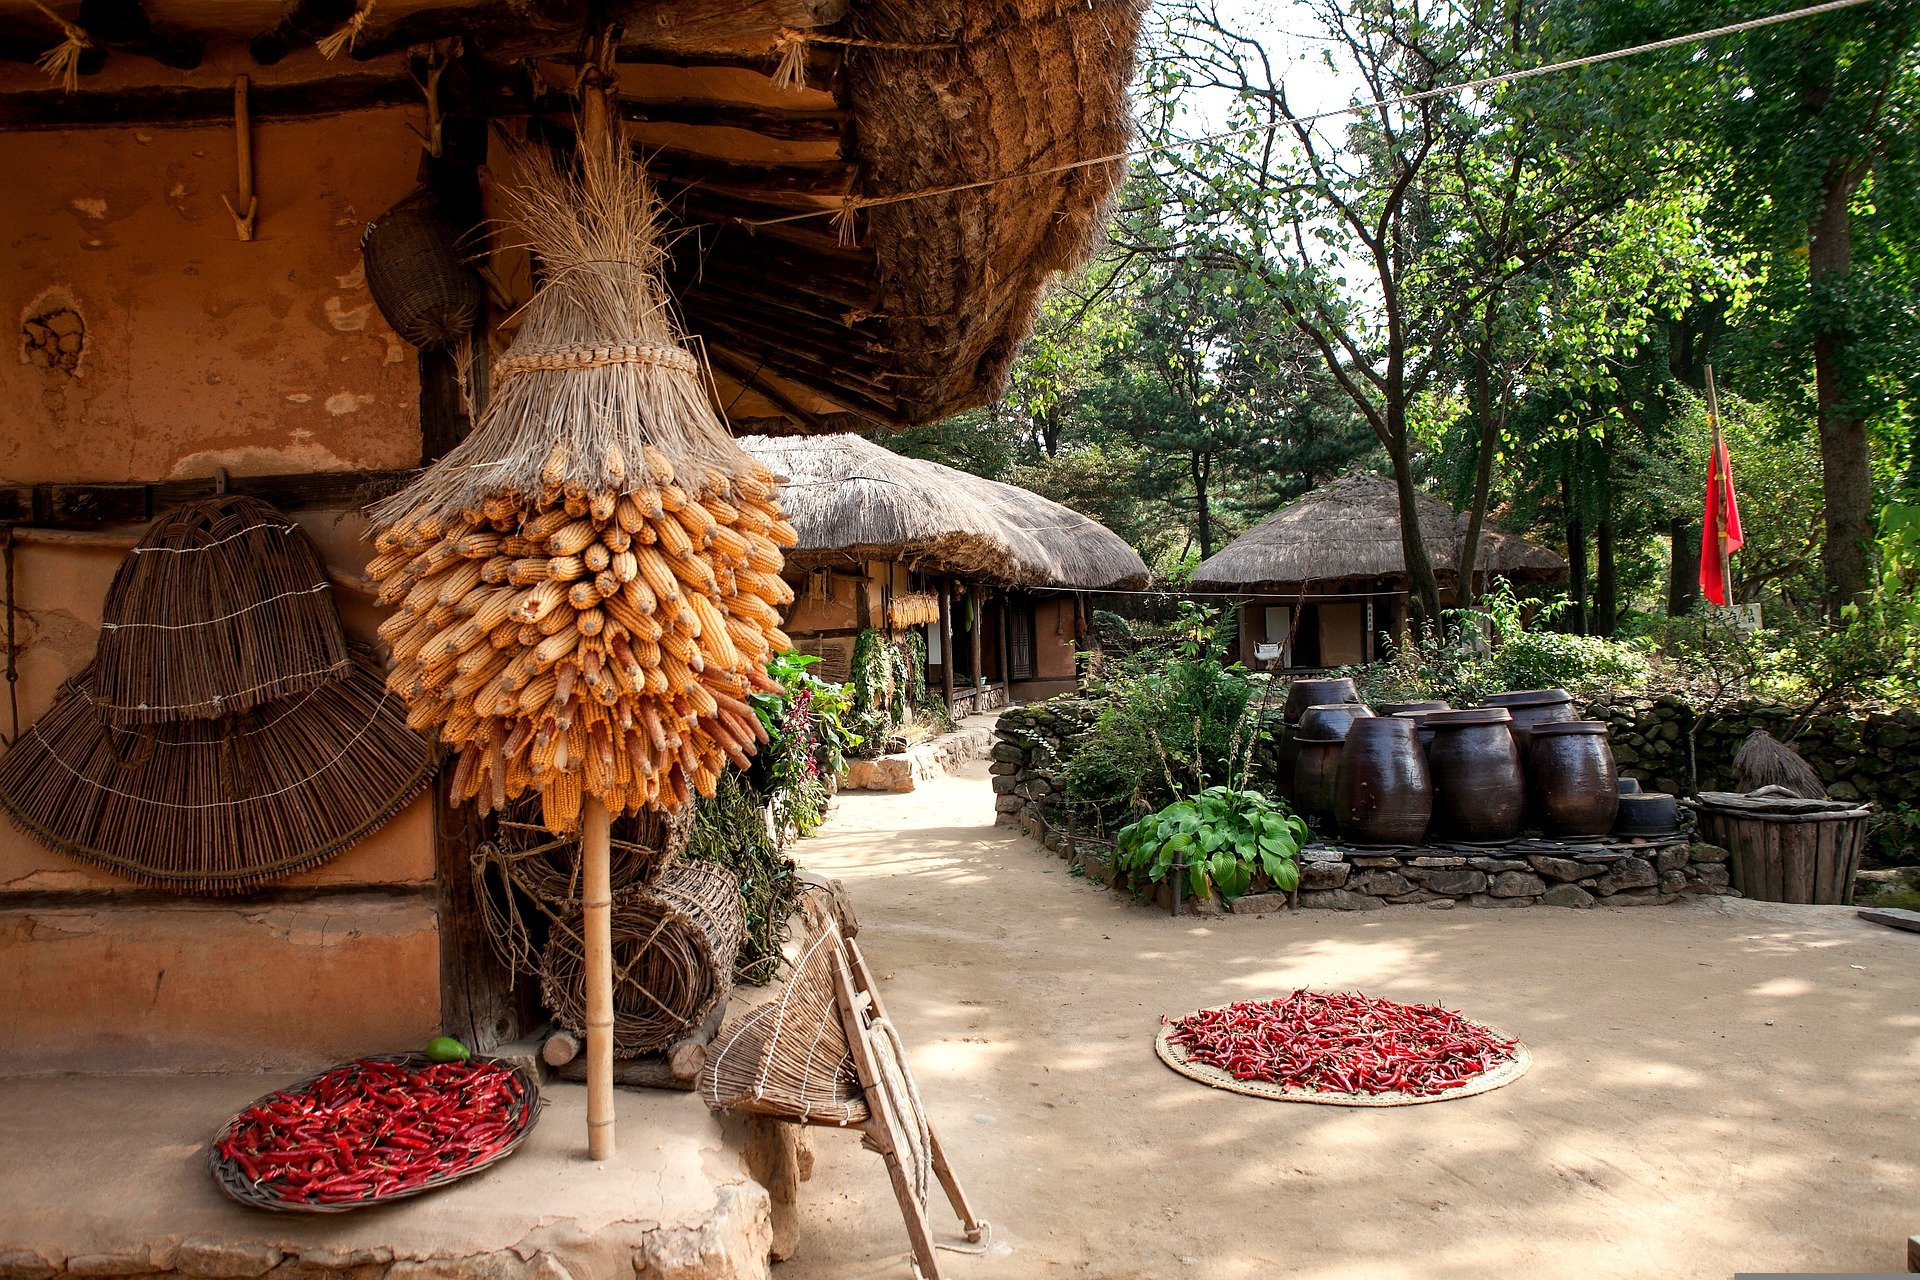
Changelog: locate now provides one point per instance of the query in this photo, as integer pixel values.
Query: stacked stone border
(1034, 741)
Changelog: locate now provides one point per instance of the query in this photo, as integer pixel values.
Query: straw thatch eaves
(916, 321)
(1349, 532)
(852, 500)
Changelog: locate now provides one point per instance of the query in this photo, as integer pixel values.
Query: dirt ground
(1716, 1087)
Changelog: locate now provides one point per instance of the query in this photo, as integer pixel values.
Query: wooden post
(946, 641)
(596, 880)
(1006, 644)
(973, 640)
(596, 893)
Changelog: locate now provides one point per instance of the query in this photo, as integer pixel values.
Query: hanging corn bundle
(588, 588)
(914, 609)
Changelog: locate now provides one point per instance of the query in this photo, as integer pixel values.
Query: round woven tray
(229, 1178)
(1176, 1057)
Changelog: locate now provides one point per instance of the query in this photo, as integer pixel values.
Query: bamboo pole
(597, 905)
(596, 890)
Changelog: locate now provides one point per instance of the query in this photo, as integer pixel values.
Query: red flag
(1720, 534)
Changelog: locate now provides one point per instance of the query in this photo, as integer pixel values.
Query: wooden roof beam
(38, 109)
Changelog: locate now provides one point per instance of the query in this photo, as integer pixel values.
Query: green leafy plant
(1221, 836)
(1174, 720)
(806, 725)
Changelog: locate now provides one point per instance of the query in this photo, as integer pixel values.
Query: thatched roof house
(1349, 532)
(853, 500)
(1333, 575)
(881, 536)
(911, 315)
(196, 313)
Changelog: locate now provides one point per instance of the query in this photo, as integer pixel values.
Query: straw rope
(673, 948)
(528, 359)
(62, 62)
(332, 46)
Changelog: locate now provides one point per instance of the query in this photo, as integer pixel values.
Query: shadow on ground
(1716, 1087)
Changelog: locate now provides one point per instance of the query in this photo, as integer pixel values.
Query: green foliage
(1894, 838)
(1491, 648)
(1173, 721)
(730, 829)
(1221, 836)
(807, 727)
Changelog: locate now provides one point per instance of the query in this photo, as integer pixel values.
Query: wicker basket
(228, 1177)
(674, 944)
(425, 290)
(789, 1058)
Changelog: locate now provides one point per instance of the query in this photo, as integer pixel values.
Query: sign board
(1266, 652)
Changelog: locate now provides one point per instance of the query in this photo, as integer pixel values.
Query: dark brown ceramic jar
(1479, 792)
(1571, 778)
(1332, 719)
(1398, 708)
(1530, 707)
(1383, 793)
(1316, 768)
(1302, 694)
(1418, 719)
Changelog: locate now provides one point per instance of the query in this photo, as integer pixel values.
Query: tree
(1815, 119)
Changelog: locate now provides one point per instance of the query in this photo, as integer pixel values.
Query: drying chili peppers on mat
(373, 1129)
(1341, 1042)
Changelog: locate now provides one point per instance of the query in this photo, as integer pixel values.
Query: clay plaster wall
(1053, 639)
(201, 350)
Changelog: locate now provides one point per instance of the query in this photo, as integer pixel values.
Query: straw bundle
(222, 607)
(789, 1058)
(589, 585)
(673, 948)
(216, 806)
(1765, 761)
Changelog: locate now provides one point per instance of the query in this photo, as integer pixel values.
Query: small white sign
(1266, 652)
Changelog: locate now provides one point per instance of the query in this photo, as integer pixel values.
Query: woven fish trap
(789, 1058)
(217, 806)
(222, 607)
(674, 943)
(548, 869)
(525, 873)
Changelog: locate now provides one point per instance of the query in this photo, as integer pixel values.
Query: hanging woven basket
(418, 278)
(223, 606)
(217, 806)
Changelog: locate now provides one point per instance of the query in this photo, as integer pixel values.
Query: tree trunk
(1846, 481)
(1490, 427)
(1198, 468)
(1606, 586)
(1576, 548)
(1683, 571)
(1423, 590)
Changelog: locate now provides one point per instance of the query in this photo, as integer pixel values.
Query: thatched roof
(850, 499)
(916, 320)
(1350, 530)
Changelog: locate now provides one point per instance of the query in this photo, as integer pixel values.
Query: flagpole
(1713, 465)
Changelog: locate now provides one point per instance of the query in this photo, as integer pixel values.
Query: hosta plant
(1219, 835)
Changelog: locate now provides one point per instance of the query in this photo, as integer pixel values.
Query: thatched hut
(1008, 570)
(196, 312)
(1326, 576)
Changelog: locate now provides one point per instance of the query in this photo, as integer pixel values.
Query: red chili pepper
(1341, 1041)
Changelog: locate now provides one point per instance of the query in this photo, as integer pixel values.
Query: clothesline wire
(852, 203)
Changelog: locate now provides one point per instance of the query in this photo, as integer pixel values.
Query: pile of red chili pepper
(375, 1127)
(1341, 1042)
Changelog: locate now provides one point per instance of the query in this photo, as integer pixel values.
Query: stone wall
(1034, 742)
(1865, 755)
